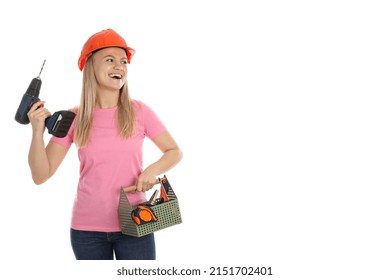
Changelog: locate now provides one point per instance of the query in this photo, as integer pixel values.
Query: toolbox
(165, 213)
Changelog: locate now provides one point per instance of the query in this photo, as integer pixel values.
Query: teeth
(116, 76)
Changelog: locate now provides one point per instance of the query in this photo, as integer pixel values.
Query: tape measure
(143, 214)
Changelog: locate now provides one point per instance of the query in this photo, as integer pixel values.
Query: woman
(108, 131)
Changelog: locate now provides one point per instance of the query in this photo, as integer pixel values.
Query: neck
(106, 100)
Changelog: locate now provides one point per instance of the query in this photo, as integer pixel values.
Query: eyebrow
(109, 55)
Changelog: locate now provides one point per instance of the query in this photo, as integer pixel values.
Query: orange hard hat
(103, 39)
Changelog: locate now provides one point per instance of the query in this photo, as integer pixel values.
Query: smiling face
(110, 67)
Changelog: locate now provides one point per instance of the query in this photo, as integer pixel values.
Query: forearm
(171, 156)
(38, 160)
(168, 160)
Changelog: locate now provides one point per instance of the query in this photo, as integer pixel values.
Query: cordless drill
(58, 124)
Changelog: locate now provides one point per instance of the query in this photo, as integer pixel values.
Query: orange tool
(143, 214)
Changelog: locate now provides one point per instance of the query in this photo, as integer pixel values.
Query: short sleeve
(152, 123)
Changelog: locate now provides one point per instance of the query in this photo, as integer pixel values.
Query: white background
(280, 107)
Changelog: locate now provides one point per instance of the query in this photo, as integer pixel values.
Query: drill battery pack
(59, 123)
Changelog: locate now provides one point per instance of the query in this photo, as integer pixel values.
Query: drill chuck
(34, 87)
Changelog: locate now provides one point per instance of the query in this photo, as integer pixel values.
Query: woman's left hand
(146, 181)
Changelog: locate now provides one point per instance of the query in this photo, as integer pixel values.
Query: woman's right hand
(37, 116)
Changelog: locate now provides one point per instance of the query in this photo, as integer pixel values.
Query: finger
(39, 110)
(148, 186)
(36, 105)
(143, 186)
(35, 109)
(130, 189)
(40, 114)
(139, 187)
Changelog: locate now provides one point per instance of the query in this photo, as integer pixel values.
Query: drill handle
(24, 107)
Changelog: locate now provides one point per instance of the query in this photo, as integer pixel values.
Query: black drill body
(29, 98)
(58, 124)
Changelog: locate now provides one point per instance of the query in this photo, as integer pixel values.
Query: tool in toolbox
(166, 190)
(154, 199)
(143, 214)
(152, 215)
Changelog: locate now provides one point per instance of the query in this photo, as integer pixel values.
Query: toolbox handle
(134, 188)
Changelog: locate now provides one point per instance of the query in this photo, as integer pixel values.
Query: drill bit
(41, 69)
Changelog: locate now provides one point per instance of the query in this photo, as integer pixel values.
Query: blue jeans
(93, 245)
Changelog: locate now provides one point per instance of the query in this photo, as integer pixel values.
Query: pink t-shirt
(108, 163)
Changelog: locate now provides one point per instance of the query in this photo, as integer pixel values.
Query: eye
(109, 60)
(124, 62)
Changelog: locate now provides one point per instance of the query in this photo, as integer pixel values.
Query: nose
(118, 66)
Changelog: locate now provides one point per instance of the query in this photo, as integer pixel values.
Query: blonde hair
(125, 112)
